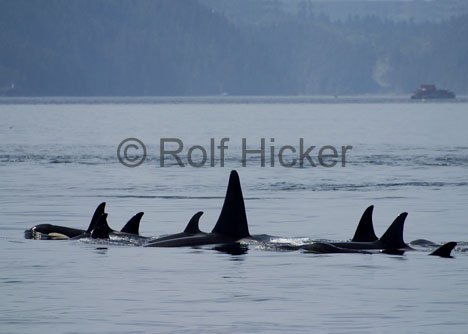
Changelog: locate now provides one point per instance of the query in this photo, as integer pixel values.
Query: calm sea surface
(59, 161)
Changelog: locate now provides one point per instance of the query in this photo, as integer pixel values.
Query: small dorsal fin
(365, 230)
(393, 237)
(102, 229)
(445, 249)
(97, 213)
(232, 221)
(133, 225)
(192, 226)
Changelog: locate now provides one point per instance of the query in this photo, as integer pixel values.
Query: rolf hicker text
(269, 154)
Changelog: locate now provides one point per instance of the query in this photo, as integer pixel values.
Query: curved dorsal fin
(102, 229)
(393, 237)
(365, 230)
(445, 249)
(192, 226)
(97, 213)
(133, 225)
(232, 221)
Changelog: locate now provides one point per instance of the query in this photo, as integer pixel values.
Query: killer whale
(51, 232)
(57, 232)
(191, 229)
(329, 248)
(392, 239)
(445, 250)
(133, 225)
(365, 229)
(364, 233)
(102, 230)
(231, 226)
(366, 242)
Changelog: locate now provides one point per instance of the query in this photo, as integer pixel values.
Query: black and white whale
(364, 233)
(230, 228)
(57, 232)
(365, 241)
(445, 250)
(392, 239)
(327, 248)
(365, 229)
(191, 229)
(101, 229)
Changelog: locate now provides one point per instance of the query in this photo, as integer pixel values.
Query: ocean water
(58, 161)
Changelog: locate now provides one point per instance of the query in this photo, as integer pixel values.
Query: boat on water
(426, 92)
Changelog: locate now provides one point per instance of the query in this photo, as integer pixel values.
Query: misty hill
(248, 12)
(186, 47)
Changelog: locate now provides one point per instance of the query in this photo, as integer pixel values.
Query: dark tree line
(181, 47)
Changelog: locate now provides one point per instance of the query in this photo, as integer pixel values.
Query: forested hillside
(183, 47)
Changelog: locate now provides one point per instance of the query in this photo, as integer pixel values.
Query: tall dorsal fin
(232, 221)
(393, 237)
(192, 226)
(445, 249)
(365, 230)
(97, 213)
(102, 229)
(133, 225)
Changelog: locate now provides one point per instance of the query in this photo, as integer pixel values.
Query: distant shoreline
(325, 99)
